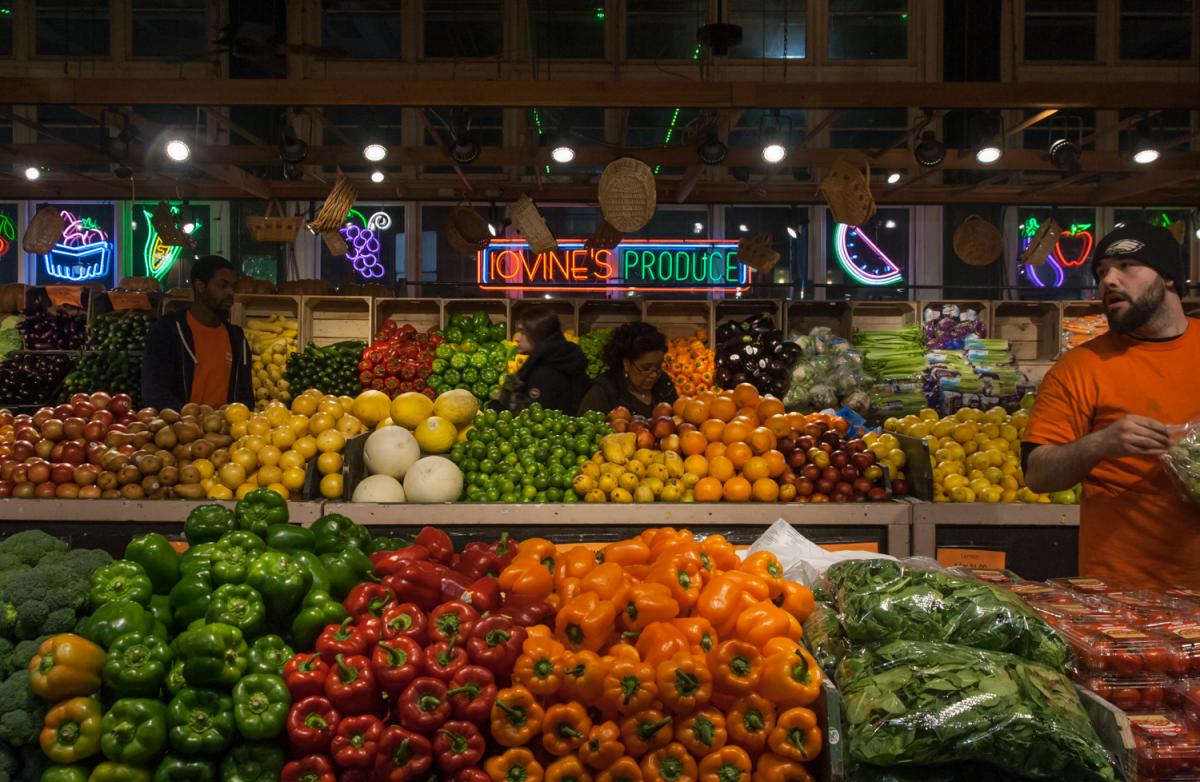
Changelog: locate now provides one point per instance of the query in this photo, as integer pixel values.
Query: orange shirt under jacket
(1135, 528)
(214, 363)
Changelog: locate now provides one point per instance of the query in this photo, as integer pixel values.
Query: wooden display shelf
(248, 306)
(680, 318)
(801, 317)
(52, 512)
(566, 309)
(1033, 329)
(883, 315)
(330, 319)
(420, 313)
(607, 314)
(496, 309)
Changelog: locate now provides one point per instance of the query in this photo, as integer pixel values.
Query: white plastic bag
(802, 560)
(1182, 459)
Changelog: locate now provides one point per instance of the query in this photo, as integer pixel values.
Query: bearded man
(1108, 410)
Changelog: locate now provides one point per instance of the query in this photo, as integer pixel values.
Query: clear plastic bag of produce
(880, 600)
(823, 635)
(916, 704)
(1182, 459)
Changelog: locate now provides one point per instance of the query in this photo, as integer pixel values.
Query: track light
(929, 152)
(292, 171)
(561, 148)
(464, 148)
(178, 150)
(1064, 155)
(292, 149)
(773, 131)
(375, 152)
(376, 176)
(988, 154)
(32, 173)
(712, 150)
(792, 232)
(893, 177)
(743, 228)
(1145, 152)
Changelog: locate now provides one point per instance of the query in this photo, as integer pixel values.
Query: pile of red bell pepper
(399, 359)
(403, 688)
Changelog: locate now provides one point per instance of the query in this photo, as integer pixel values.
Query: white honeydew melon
(391, 451)
(433, 479)
(379, 488)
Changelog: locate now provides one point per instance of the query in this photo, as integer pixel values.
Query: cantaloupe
(379, 488)
(433, 479)
(391, 451)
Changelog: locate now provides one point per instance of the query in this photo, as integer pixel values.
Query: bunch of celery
(888, 355)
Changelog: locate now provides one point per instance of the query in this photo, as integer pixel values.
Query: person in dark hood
(554, 375)
(635, 378)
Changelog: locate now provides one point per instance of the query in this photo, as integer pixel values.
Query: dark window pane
(462, 28)
(363, 124)
(868, 29)
(364, 29)
(261, 260)
(746, 135)
(569, 29)
(168, 28)
(773, 29)
(663, 29)
(961, 280)
(792, 268)
(74, 28)
(1164, 127)
(863, 128)
(1060, 30)
(1060, 6)
(1156, 30)
(6, 25)
(487, 125)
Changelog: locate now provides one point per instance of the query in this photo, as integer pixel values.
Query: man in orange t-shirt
(1107, 410)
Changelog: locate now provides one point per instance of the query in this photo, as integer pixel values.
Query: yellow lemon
(269, 474)
(220, 492)
(290, 459)
(304, 405)
(306, 446)
(244, 458)
(232, 475)
(962, 494)
(436, 435)
(328, 463)
(236, 413)
(277, 414)
(321, 422)
(332, 440)
(293, 479)
(204, 467)
(279, 489)
(370, 407)
(269, 455)
(282, 437)
(410, 409)
(331, 486)
(332, 407)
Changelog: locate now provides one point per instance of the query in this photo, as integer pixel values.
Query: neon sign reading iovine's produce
(1058, 261)
(862, 259)
(362, 239)
(83, 253)
(633, 265)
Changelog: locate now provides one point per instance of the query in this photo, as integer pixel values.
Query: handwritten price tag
(129, 300)
(865, 545)
(974, 558)
(65, 294)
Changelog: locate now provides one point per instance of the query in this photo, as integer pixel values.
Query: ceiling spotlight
(292, 148)
(742, 227)
(1064, 155)
(893, 177)
(773, 131)
(792, 232)
(292, 171)
(697, 228)
(890, 224)
(492, 228)
(1144, 152)
(773, 152)
(178, 150)
(988, 154)
(376, 176)
(375, 152)
(464, 148)
(561, 149)
(929, 152)
(32, 173)
(712, 150)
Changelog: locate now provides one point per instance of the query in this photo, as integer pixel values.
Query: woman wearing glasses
(635, 377)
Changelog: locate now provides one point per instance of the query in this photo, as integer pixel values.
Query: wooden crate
(739, 309)
(596, 314)
(1076, 309)
(1033, 329)
(680, 318)
(984, 310)
(497, 310)
(420, 313)
(330, 319)
(247, 306)
(181, 301)
(801, 317)
(883, 315)
(566, 309)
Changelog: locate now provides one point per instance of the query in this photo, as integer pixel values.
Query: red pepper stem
(346, 673)
(458, 742)
(470, 688)
(306, 665)
(344, 631)
(396, 657)
(315, 721)
(428, 703)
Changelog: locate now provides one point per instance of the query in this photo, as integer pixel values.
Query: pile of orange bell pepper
(670, 658)
(690, 363)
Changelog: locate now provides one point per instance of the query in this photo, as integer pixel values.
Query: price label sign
(869, 546)
(129, 300)
(61, 295)
(974, 558)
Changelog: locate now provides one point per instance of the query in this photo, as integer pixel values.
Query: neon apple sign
(83, 253)
(864, 270)
(8, 234)
(1057, 261)
(633, 265)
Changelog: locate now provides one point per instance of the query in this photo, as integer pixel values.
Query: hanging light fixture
(33, 173)
(894, 177)
(377, 176)
(929, 152)
(773, 131)
(178, 150)
(990, 137)
(712, 150)
(562, 150)
(1064, 155)
(464, 147)
(1145, 151)
(375, 152)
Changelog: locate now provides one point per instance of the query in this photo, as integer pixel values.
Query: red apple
(95, 452)
(6, 418)
(39, 473)
(63, 411)
(859, 460)
(669, 443)
(6, 488)
(103, 416)
(844, 488)
(85, 475)
(854, 446)
(66, 491)
(43, 448)
(858, 497)
(862, 486)
(796, 459)
(811, 473)
(620, 413)
(805, 443)
(645, 439)
(824, 487)
(74, 453)
(6, 471)
(94, 431)
(620, 425)
(849, 473)
(100, 400)
(120, 404)
(877, 494)
(84, 409)
(839, 459)
(804, 487)
(663, 409)
(56, 452)
(663, 427)
(900, 487)
(831, 474)
(683, 428)
(20, 473)
(838, 496)
(22, 450)
(785, 445)
(73, 427)
(146, 414)
(833, 438)
(79, 396)
(23, 490)
(62, 473)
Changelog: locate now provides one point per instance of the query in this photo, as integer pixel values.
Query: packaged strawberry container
(1150, 606)
(1088, 586)
(1145, 691)
(1168, 745)
(1125, 650)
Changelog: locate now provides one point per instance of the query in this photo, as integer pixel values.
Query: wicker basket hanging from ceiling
(274, 226)
(166, 224)
(530, 224)
(847, 190)
(1042, 243)
(627, 194)
(977, 242)
(44, 230)
(335, 243)
(337, 205)
(758, 253)
(605, 237)
(1178, 229)
(466, 230)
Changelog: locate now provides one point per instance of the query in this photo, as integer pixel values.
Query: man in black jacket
(197, 355)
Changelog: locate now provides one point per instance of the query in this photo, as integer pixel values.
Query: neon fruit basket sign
(362, 239)
(83, 253)
(862, 259)
(1058, 261)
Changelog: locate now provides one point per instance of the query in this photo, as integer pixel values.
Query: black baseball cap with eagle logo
(1148, 245)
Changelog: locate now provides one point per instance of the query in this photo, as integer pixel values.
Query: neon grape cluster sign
(633, 265)
(362, 239)
(83, 253)
(1059, 260)
(862, 259)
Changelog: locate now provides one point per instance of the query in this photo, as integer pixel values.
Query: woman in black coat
(554, 375)
(635, 378)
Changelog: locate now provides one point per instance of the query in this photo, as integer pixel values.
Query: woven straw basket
(605, 237)
(44, 230)
(758, 253)
(627, 194)
(847, 190)
(169, 233)
(977, 242)
(1042, 243)
(529, 223)
(335, 243)
(274, 226)
(466, 230)
(333, 212)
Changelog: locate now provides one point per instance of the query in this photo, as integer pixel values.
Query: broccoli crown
(30, 546)
(21, 712)
(26, 603)
(33, 762)
(85, 560)
(23, 652)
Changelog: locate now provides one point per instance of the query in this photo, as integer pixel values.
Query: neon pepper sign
(362, 240)
(1057, 261)
(683, 265)
(83, 253)
(857, 268)
(160, 257)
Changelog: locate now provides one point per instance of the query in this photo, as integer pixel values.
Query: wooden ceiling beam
(725, 121)
(223, 119)
(101, 91)
(1140, 185)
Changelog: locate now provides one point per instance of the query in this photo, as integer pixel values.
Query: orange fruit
(736, 489)
(677, 408)
(708, 490)
(745, 395)
(713, 450)
(779, 425)
(712, 429)
(692, 443)
(735, 432)
(695, 412)
(739, 454)
(755, 468)
(722, 408)
(765, 490)
(776, 462)
(749, 415)
(761, 440)
(720, 468)
(696, 465)
(796, 420)
(841, 425)
(768, 407)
